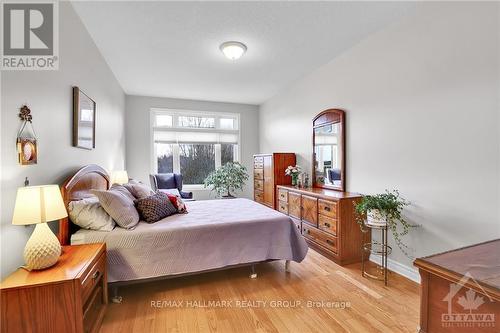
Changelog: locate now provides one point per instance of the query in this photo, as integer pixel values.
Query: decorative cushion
(178, 203)
(89, 214)
(138, 189)
(155, 207)
(119, 204)
(172, 191)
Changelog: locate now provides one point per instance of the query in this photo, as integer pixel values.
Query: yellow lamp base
(42, 249)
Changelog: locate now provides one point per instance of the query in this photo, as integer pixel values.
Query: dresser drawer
(258, 165)
(327, 224)
(258, 196)
(258, 173)
(320, 237)
(93, 277)
(92, 310)
(283, 195)
(258, 159)
(294, 205)
(310, 209)
(327, 208)
(283, 207)
(259, 184)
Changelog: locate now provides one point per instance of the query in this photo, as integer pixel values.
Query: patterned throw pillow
(155, 207)
(178, 203)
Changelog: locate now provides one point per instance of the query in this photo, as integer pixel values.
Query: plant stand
(377, 248)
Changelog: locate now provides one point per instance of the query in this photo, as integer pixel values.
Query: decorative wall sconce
(27, 148)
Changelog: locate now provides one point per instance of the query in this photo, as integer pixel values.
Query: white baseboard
(392, 265)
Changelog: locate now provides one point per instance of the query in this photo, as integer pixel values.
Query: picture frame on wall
(27, 151)
(84, 120)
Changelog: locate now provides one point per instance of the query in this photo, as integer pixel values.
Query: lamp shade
(119, 177)
(38, 204)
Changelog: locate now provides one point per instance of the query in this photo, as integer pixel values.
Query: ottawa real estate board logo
(30, 35)
(467, 309)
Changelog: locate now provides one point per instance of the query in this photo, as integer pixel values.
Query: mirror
(328, 148)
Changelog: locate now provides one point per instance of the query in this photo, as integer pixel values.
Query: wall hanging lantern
(27, 148)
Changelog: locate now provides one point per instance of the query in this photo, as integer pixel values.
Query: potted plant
(382, 210)
(294, 172)
(226, 179)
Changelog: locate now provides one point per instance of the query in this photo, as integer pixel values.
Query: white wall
(49, 95)
(138, 134)
(422, 104)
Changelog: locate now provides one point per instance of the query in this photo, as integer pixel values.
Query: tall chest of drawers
(326, 219)
(269, 171)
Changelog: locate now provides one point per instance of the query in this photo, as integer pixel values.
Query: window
(193, 143)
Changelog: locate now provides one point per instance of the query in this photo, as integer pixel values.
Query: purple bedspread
(214, 234)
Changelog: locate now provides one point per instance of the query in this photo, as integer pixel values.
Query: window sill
(194, 188)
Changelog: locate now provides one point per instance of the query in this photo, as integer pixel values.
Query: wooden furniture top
(480, 261)
(269, 154)
(322, 192)
(73, 263)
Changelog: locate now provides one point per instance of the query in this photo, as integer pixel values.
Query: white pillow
(172, 191)
(89, 214)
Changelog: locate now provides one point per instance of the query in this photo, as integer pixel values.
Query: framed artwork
(27, 150)
(84, 110)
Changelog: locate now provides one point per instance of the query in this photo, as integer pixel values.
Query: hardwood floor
(372, 306)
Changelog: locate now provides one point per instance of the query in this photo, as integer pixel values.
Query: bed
(215, 234)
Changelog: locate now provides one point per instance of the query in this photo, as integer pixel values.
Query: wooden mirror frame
(327, 117)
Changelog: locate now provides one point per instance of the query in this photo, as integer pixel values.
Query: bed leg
(115, 298)
(287, 266)
(253, 275)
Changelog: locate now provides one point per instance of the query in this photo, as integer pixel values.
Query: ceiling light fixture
(233, 50)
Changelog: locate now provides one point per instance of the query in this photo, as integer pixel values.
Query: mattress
(214, 234)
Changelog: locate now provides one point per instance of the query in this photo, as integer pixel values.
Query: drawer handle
(327, 208)
(307, 231)
(330, 242)
(327, 225)
(96, 275)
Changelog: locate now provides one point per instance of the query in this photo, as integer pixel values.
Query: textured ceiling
(171, 49)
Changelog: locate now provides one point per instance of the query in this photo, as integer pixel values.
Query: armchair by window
(164, 181)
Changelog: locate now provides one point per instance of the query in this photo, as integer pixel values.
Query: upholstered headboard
(77, 187)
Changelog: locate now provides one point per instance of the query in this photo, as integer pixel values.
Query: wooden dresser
(460, 290)
(68, 297)
(326, 220)
(269, 171)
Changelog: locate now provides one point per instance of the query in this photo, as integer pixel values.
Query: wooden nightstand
(71, 296)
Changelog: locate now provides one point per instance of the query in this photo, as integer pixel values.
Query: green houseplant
(226, 179)
(384, 209)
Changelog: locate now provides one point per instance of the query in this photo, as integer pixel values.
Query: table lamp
(39, 205)
(119, 177)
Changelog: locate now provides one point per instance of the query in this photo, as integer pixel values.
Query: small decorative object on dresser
(268, 172)
(69, 297)
(294, 172)
(39, 205)
(84, 109)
